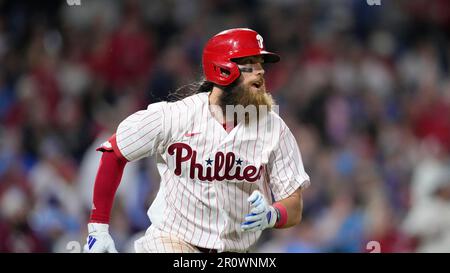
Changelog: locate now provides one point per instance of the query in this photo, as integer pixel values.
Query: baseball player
(224, 177)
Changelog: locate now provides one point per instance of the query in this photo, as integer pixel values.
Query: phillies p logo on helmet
(259, 38)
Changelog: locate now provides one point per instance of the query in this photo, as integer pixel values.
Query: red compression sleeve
(108, 179)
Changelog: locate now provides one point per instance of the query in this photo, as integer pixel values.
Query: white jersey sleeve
(285, 167)
(143, 133)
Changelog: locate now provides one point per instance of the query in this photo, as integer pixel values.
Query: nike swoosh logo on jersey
(191, 134)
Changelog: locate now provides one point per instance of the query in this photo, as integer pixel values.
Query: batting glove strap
(272, 216)
(98, 227)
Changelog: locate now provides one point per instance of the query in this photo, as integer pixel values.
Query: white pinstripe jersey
(206, 173)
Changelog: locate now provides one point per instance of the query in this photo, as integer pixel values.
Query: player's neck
(215, 95)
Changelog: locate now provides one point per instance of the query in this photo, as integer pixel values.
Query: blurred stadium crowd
(365, 89)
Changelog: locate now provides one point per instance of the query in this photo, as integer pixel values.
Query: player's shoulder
(189, 103)
(156, 106)
(184, 105)
(275, 118)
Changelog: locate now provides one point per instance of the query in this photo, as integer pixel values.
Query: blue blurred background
(365, 89)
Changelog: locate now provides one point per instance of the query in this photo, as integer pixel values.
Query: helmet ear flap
(225, 73)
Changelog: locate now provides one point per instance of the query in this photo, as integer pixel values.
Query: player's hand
(99, 240)
(262, 215)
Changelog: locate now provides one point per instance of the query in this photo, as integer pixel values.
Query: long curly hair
(190, 89)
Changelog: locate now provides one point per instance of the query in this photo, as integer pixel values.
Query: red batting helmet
(230, 44)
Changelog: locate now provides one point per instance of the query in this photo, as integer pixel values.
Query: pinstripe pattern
(199, 212)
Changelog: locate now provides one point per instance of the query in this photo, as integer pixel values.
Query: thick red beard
(243, 95)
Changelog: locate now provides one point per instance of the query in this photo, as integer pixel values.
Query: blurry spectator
(429, 219)
(127, 55)
(16, 204)
(56, 210)
(341, 227)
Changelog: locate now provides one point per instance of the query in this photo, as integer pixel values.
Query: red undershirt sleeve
(107, 181)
